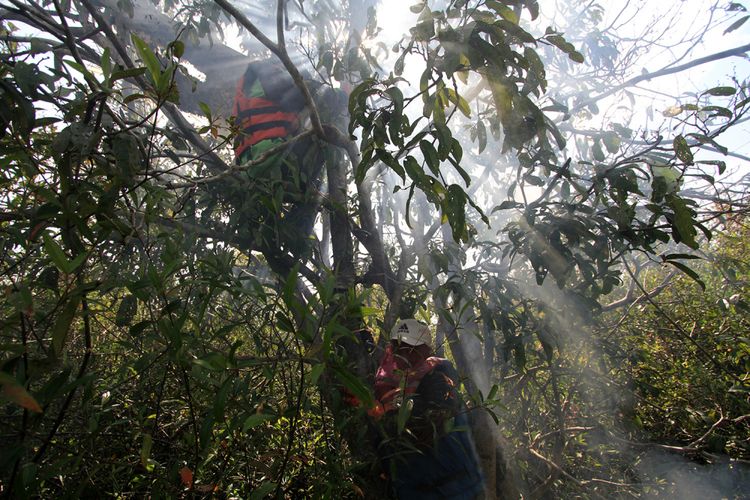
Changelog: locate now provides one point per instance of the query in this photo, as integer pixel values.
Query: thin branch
(701, 439)
(554, 466)
(737, 51)
(725, 153)
(244, 166)
(630, 298)
(280, 24)
(81, 372)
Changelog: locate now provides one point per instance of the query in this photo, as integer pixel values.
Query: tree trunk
(495, 452)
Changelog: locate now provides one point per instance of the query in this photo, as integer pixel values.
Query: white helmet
(412, 332)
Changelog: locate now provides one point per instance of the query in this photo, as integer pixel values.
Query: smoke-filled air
(362, 249)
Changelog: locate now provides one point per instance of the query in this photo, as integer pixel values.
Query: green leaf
(389, 160)
(552, 128)
(213, 361)
(80, 68)
(458, 152)
(38, 46)
(481, 135)
(736, 24)
(126, 311)
(146, 452)
(126, 73)
(673, 256)
(438, 111)
(493, 391)
(533, 8)
(62, 325)
(683, 222)
(315, 372)
(206, 429)
(506, 205)
(685, 269)
(139, 328)
(397, 98)
(596, 150)
(460, 103)
(141, 289)
(463, 105)
(611, 142)
(720, 165)
(403, 415)
(516, 31)
(479, 210)
(721, 91)
(576, 56)
(562, 44)
(58, 256)
(148, 57)
(76, 262)
(326, 61)
(463, 173)
(165, 85)
(16, 393)
(454, 209)
(430, 156)
(263, 490)
(717, 111)
(415, 172)
(56, 253)
(354, 385)
(50, 278)
(106, 64)
(425, 28)
(547, 342)
(255, 420)
(178, 48)
(536, 66)
(206, 110)
(504, 11)
(682, 150)
(133, 97)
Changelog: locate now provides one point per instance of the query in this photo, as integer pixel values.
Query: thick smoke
(673, 476)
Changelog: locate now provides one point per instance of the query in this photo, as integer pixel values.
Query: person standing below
(426, 447)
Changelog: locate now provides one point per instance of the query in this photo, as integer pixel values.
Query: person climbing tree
(281, 207)
(431, 454)
(269, 110)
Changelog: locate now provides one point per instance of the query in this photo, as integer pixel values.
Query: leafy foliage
(144, 350)
(702, 378)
